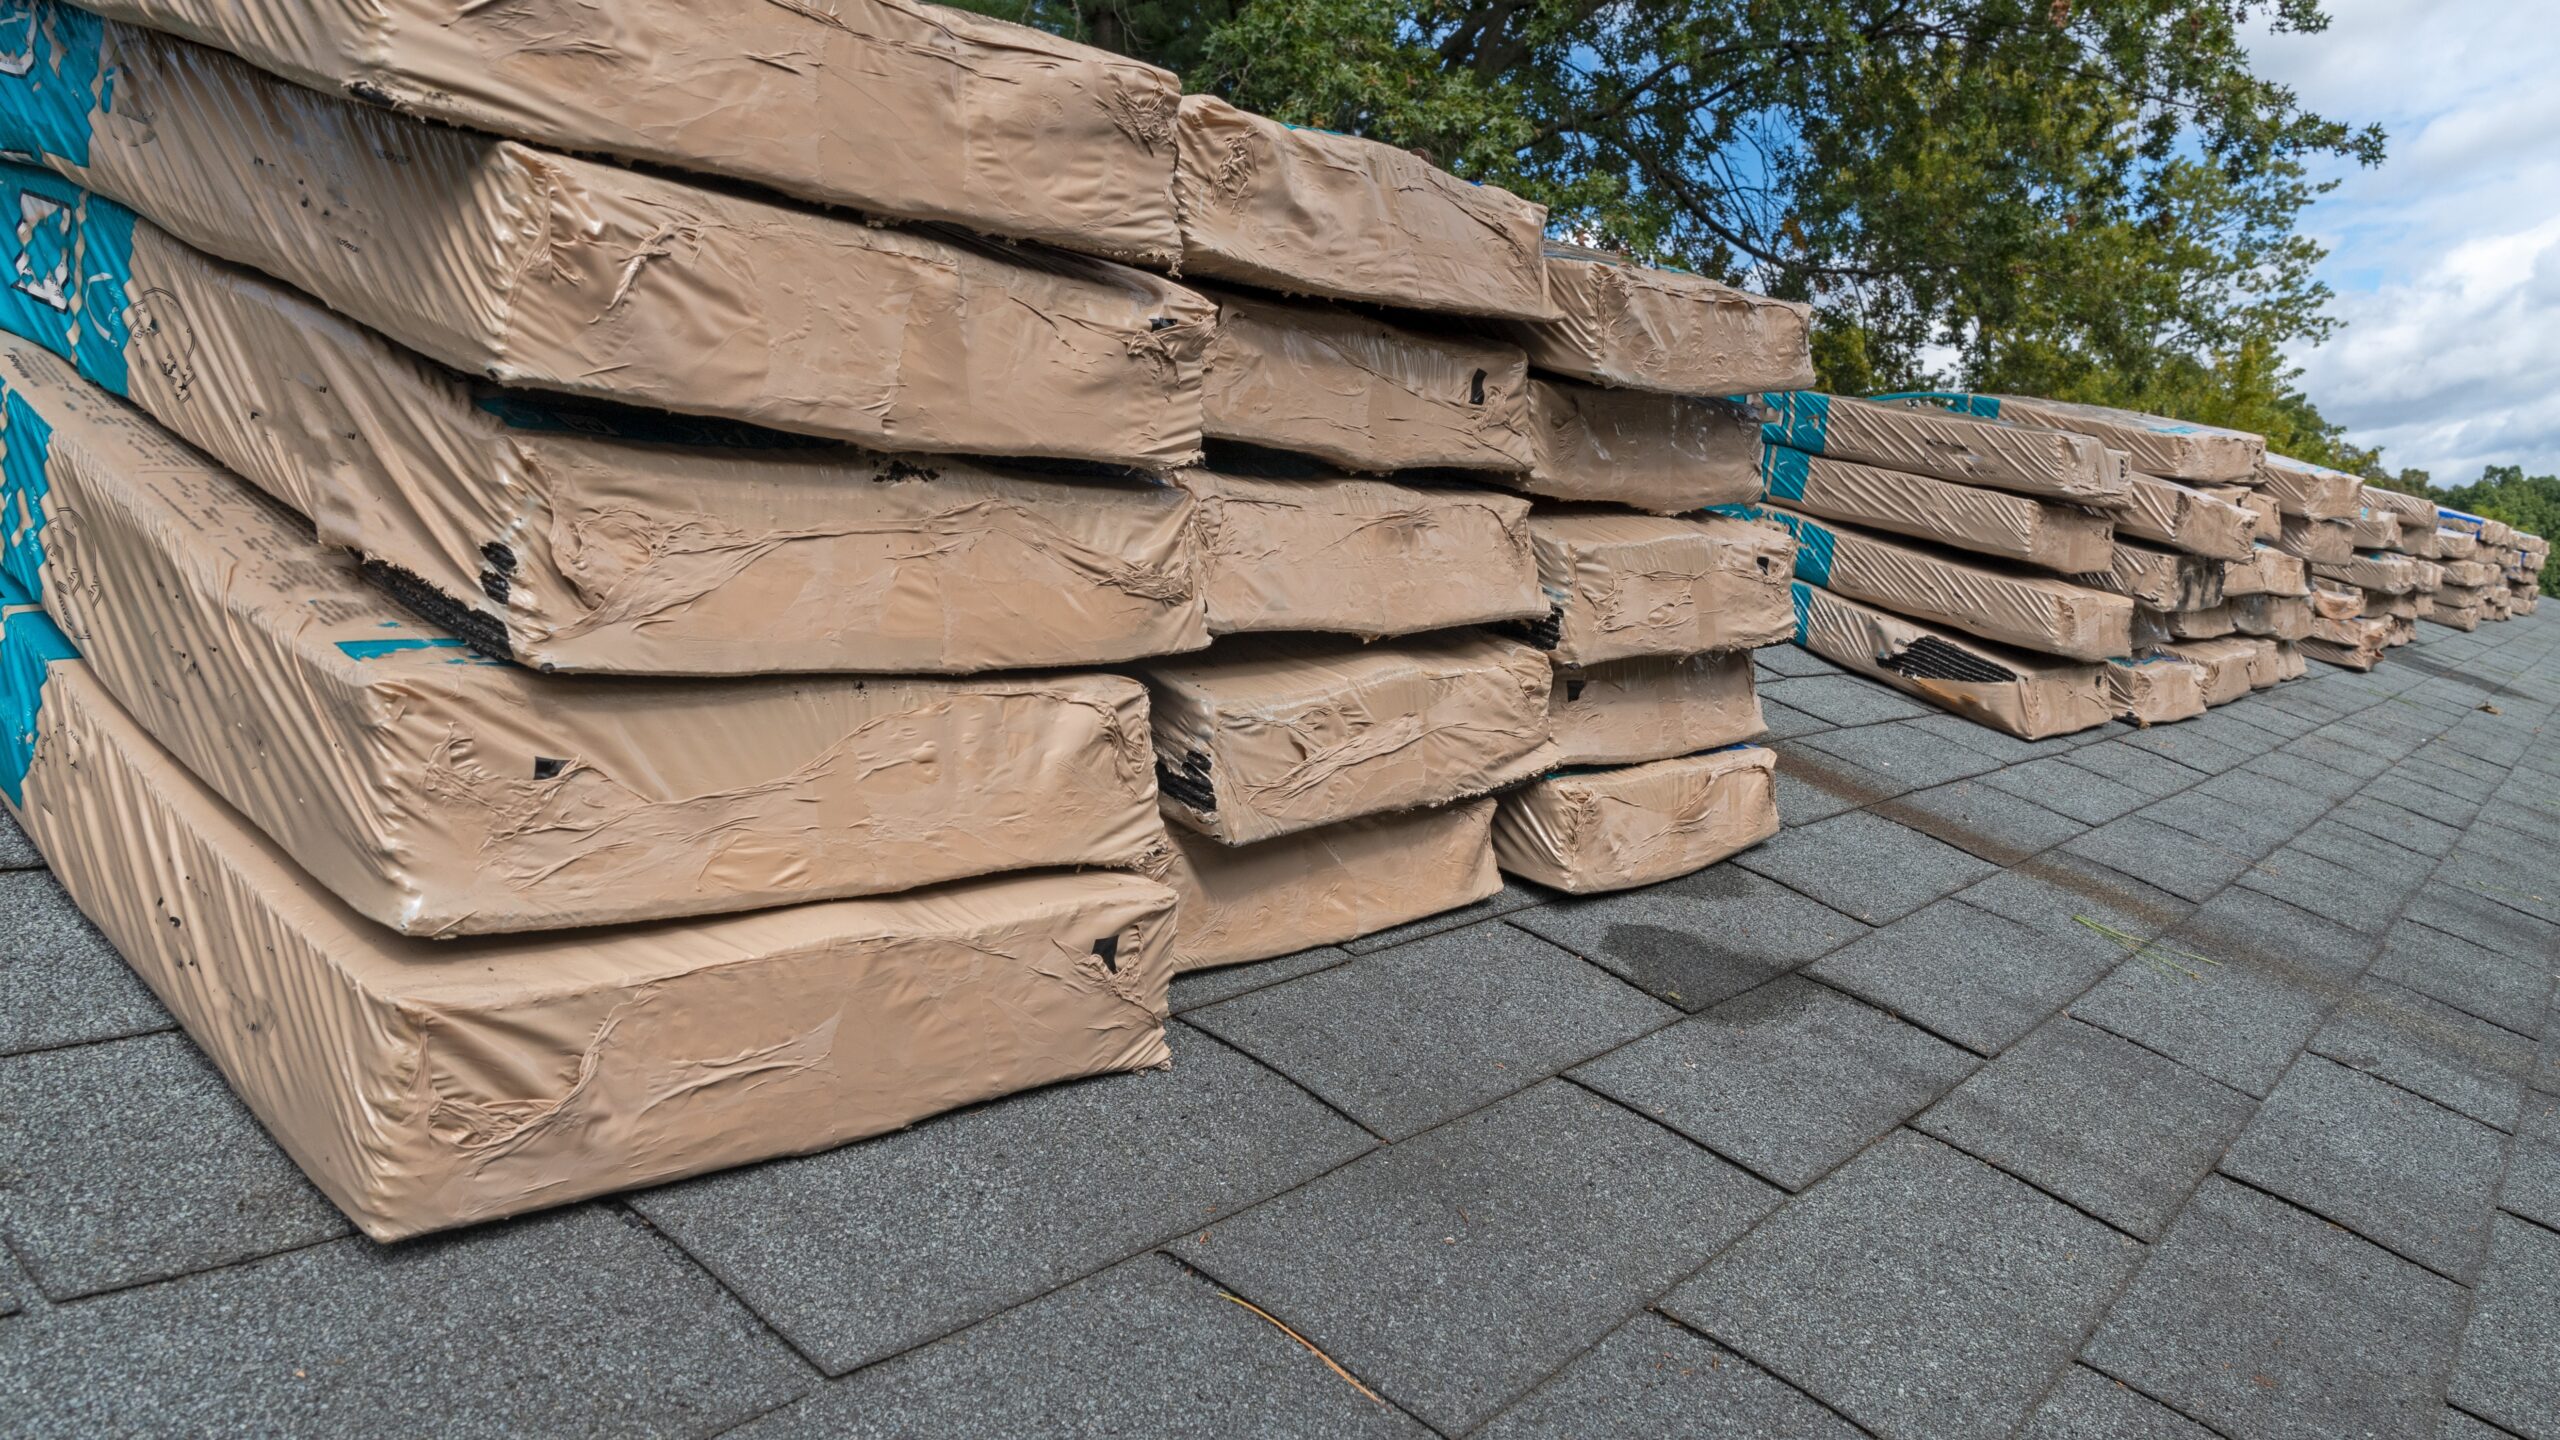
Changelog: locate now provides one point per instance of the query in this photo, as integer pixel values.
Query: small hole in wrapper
(546, 768)
(1108, 949)
(1475, 389)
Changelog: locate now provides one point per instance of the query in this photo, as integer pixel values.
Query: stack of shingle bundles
(1922, 534)
(2524, 585)
(846, 896)
(2341, 632)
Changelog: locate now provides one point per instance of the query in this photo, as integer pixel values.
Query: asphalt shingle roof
(2200, 1081)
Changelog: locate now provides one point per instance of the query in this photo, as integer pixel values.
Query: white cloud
(2447, 259)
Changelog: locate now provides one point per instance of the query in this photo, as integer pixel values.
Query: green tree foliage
(2528, 502)
(2090, 199)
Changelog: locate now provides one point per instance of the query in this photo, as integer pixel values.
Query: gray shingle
(1916, 758)
(1651, 1377)
(1845, 700)
(1865, 867)
(2502, 989)
(2405, 828)
(1457, 1269)
(61, 983)
(1792, 660)
(2232, 1021)
(1979, 979)
(2103, 1123)
(1195, 988)
(131, 1161)
(1697, 940)
(2510, 1366)
(2261, 1320)
(1802, 802)
(1786, 722)
(1788, 1080)
(1513, 897)
(2185, 866)
(1981, 820)
(580, 1322)
(1999, 745)
(2533, 1163)
(2407, 1174)
(2089, 1406)
(2136, 768)
(868, 1249)
(2483, 921)
(2062, 894)
(1919, 1292)
(17, 852)
(1406, 1038)
(2188, 746)
(1144, 1348)
(2068, 790)
(2433, 1049)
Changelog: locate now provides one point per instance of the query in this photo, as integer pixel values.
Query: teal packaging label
(67, 259)
(53, 79)
(25, 441)
(30, 643)
(1980, 407)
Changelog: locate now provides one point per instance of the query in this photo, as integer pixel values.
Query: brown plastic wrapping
(1668, 331)
(2157, 690)
(1593, 831)
(2318, 541)
(585, 538)
(1627, 712)
(897, 108)
(2356, 644)
(1329, 885)
(2152, 628)
(2476, 574)
(1271, 735)
(1310, 212)
(2278, 617)
(2374, 530)
(2457, 617)
(2306, 491)
(2181, 518)
(1357, 392)
(2227, 665)
(1668, 454)
(440, 793)
(1923, 440)
(2173, 449)
(2033, 697)
(425, 1085)
(538, 269)
(2161, 579)
(2267, 571)
(2390, 574)
(1360, 557)
(1622, 586)
(2066, 539)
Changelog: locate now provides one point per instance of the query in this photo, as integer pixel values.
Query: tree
(2529, 503)
(2092, 200)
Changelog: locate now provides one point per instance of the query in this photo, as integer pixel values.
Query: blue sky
(2446, 260)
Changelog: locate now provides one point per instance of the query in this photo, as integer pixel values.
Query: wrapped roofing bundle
(424, 1085)
(2228, 665)
(2306, 491)
(1669, 454)
(2355, 644)
(442, 793)
(2161, 579)
(2390, 574)
(1271, 735)
(2267, 571)
(1669, 331)
(2318, 541)
(1310, 212)
(2374, 529)
(2153, 628)
(2452, 544)
(1327, 885)
(2013, 606)
(2154, 690)
(1357, 392)
(2171, 449)
(2279, 617)
(1589, 831)
(1359, 557)
(539, 269)
(1619, 586)
(2171, 514)
(1626, 712)
(582, 537)
(2033, 697)
(2062, 538)
(1923, 441)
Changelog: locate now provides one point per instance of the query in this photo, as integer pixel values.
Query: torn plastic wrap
(2161, 579)
(1310, 212)
(1326, 886)
(439, 792)
(2033, 697)
(2008, 604)
(1924, 441)
(1629, 325)
(899, 109)
(2277, 617)
(2318, 541)
(538, 269)
(2168, 513)
(2153, 628)
(1354, 391)
(2155, 689)
(2267, 571)
(1619, 586)
(2062, 538)
(2156, 445)
(2227, 664)
(1627, 712)
(1360, 557)
(1668, 454)
(1587, 832)
(1270, 735)
(2306, 491)
(425, 1085)
(581, 537)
